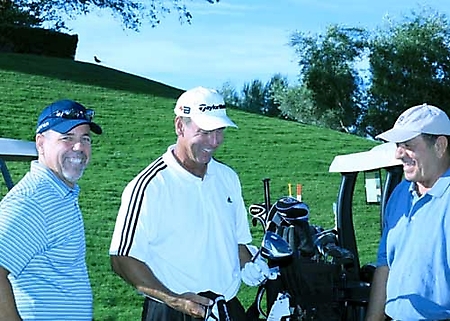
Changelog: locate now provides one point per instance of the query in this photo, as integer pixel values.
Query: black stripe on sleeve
(135, 204)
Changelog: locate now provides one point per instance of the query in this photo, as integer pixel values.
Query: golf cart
(14, 150)
(371, 163)
(327, 283)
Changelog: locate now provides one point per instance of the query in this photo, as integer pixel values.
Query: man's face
(67, 155)
(200, 145)
(419, 160)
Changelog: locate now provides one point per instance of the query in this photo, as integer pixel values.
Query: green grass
(137, 118)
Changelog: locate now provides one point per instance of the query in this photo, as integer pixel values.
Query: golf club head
(272, 216)
(258, 213)
(274, 247)
(327, 245)
(323, 242)
(292, 210)
(339, 254)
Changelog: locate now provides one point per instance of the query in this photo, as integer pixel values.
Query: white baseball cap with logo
(421, 119)
(205, 107)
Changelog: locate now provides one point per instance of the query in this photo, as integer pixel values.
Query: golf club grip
(267, 194)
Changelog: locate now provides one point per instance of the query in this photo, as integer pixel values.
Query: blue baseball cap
(64, 115)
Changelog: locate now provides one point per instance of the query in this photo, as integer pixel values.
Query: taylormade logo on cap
(205, 107)
(202, 107)
(421, 119)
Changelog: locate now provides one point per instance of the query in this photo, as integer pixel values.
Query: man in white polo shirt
(182, 228)
(43, 274)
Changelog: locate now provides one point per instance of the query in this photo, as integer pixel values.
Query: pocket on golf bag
(312, 286)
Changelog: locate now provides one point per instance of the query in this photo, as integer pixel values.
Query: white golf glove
(255, 273)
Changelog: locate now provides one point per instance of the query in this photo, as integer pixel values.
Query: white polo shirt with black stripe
(42, 245)
(186, 229)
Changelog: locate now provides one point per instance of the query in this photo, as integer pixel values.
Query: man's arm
(8, 309)
(244, 255)
(140, 276)
(377, 302)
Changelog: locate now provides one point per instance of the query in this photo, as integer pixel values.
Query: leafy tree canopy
(132, 13)
(327, 69)
(410, 64)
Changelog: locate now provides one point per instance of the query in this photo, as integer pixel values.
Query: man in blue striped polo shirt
(43, 273)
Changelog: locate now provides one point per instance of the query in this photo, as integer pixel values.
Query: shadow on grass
(85, 73)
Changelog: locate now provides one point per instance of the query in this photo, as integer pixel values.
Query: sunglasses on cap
(73, 113)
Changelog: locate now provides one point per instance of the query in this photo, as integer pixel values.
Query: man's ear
(40, 143)
(179, 126)
(441, 146)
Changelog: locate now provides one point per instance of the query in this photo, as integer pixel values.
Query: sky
(233, 41)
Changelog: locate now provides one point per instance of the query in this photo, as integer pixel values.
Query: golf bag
(313, 277)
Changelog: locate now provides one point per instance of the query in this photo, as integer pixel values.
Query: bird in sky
(97, 60)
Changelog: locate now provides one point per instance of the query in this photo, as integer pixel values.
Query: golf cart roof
(17, 150)
(380, 156)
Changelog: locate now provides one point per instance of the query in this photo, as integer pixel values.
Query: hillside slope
(137, 118)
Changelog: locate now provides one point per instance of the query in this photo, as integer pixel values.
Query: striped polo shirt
(42, 245)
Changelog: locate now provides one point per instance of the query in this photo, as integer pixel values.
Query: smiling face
(195, 146)
(66, 155)
(424, 159)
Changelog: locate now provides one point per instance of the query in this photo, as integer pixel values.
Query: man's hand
(142, 278)
(191, 304)
(255, 273)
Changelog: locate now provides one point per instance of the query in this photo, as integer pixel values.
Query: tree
(256, 97)
(253, 97)
(277, 85)
(296, 103)
(230, 95)
(132, 13)
(11, 13)
(327, 70)
(410, 64)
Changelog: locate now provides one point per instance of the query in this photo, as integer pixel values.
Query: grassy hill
(137, 118)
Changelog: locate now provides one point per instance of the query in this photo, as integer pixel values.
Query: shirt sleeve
(22, 232)
(244, 236)
(397, 194)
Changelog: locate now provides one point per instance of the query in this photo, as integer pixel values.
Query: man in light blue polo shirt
(412, 279)
(43, 273)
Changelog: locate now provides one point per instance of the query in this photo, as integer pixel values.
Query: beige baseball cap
(421, 119)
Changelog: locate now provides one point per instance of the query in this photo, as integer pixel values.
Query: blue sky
(233, 41)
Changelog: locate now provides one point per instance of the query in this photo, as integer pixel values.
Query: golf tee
(299, 192)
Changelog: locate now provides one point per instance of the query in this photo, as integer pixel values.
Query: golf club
(258, 213)
(296, 214)
(326, 244)
(273, 247)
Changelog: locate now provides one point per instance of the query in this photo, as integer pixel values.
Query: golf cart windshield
(370, 163)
